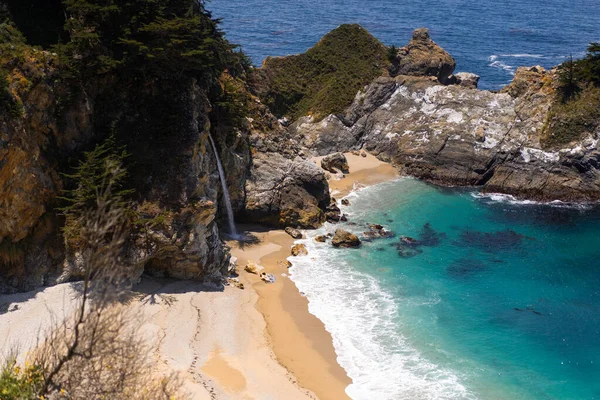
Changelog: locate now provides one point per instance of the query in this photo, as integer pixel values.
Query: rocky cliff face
(457, 135)
(165, 127)
(31, 144)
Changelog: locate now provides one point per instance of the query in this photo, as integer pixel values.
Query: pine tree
(567, 82)
(154, 38)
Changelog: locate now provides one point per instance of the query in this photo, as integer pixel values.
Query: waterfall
(232, 229)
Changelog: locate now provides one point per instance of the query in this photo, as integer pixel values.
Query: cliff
(439, 127)
(56, 106)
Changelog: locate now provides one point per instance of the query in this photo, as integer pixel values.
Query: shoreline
(224, 343)
(298, 338)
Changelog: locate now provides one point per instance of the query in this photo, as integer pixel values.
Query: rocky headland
(404, 105)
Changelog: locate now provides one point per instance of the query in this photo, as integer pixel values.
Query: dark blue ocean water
(488, 37)
(501, 300)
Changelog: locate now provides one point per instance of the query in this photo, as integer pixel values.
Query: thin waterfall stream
(232, 230)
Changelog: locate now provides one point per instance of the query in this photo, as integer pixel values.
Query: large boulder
(282, 192)
(344, 238)
(299, 250)
(335, 162)
(295, 233)
(423, 57)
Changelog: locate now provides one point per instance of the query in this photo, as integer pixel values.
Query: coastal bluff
(439, 127)
(405, 105)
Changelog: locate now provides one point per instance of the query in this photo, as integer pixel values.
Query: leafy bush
(326, 78)
(17, 383)
(230, 103)
(392, 53)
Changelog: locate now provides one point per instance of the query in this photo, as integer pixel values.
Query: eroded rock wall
(456, 135)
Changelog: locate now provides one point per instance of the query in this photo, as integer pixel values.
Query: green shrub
(326, 78)
(569, 121)
(8, 104)
(17, 383)
(576, 110)
(392, 53)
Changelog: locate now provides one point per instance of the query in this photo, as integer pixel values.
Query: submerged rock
(491, 241)
(335, 162)
(465, 267)
(299, 250)
(407, 240)
(344, 238)
(430, 237)
(377, 231)
(408, 251)
(410, 247)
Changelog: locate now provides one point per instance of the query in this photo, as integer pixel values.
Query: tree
(100, 170)
(98, 352)
(568, 86)
(392, 53)
(590, 65)
(154, 38)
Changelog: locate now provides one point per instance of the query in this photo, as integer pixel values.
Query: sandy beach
(298, 338)
(364, 171)
(257, 343)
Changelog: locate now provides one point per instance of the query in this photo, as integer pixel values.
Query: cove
(501, 300)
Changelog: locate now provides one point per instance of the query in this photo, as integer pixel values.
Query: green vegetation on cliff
(11, 50)
(152, 38)
(326, 78)
(577, 107)
(100, 171)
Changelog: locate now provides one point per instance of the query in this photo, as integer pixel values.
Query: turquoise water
(502, 300)
(488, 37)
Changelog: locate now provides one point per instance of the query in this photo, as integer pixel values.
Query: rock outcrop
(282, 192)
(335, 163)
(423, 57)
(178, 198)
(344, 238)
(295, 233)
(466, 79)
(299, 250)
(454, 135)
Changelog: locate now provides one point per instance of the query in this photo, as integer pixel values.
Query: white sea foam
(507, 198)
(522, 55)
(497, 63)
(363, 319)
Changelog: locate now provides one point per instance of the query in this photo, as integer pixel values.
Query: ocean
(488, 37)
(497, 299)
